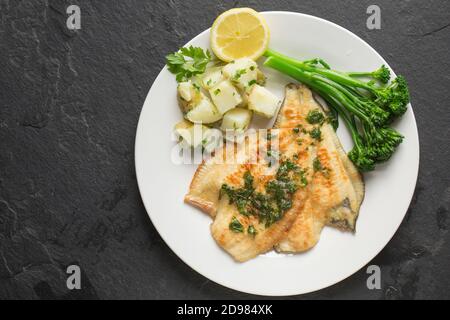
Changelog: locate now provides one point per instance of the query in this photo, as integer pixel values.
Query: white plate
(338, 255)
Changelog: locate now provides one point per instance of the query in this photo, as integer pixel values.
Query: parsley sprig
(188, 62)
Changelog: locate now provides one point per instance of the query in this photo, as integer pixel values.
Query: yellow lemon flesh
(239, 33)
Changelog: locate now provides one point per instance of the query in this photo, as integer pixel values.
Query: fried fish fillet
(298, 103)
(242, 246)
(336, 192)
(333, 195)
(208, 179)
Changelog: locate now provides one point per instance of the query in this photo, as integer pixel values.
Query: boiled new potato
(192, 135)
(262, 101)
(225, 96)
(212, 77)
(242, 72)
(261, 78)
(185, 130)
(203, 111)
(236, 119)
(186, 90)
(244, 94)
(196, 106)
(188, 96)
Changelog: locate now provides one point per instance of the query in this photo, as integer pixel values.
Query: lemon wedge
(239, 33)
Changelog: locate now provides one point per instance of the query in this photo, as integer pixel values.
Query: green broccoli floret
(383, 74)
(383, 141)
(394, 98)
(361, 159)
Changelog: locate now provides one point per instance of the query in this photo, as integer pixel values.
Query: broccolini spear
(367, 109)
(393, 98)
(383, 74)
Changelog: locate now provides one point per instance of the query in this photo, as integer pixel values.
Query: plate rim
(255, 292)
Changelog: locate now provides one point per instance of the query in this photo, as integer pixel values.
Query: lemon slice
(239, 33)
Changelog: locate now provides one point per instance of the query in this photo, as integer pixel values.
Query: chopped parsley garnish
(236, 226)
(252, 231)
(209, 82)
(252, 82)
(315, 117)
(333, 120)
(252, 68)
(316, 133)
(196, 86)
(318, 167)
(239, 74)
(272, 157)
(268, 206)
(296, 130)
(217, 92)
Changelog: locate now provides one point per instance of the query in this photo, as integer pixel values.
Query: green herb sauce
(271, 205)
(252, 231)
(316, 133)
(236, 226)
(315, 117)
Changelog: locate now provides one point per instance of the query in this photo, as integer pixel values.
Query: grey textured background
(69, 106)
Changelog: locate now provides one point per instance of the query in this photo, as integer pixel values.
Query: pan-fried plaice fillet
(243, 246)
(208, 179)
(298, 103)
(332, 197)
(336, 192)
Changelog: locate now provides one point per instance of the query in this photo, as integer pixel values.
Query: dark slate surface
(69, 106)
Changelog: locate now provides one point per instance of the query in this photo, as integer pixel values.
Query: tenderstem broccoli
(366, 107)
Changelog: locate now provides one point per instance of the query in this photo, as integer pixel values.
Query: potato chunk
(212, 78)
(203, 111)
(242, 72)
(262, 101)
(196, 135)
(225, 96)
(236, 119)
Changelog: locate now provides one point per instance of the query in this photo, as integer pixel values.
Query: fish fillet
(242, 246)
(299, 102)
(332, 197)
(335, 195)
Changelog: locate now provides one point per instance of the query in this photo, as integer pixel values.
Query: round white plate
(338, 255)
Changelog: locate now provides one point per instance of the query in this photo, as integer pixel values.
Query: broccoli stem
(336, 76)
(315, 83)
(383, 74)
(365, 108)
